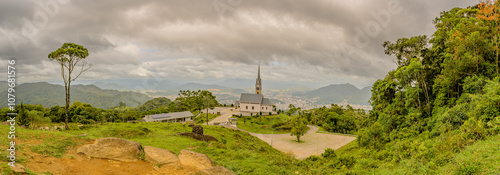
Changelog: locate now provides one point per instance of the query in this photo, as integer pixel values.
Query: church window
(247, 107)
(252, 108)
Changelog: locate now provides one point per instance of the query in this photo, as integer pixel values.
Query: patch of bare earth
(77, 164)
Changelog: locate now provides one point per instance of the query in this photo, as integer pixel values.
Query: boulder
(195, 160)
(218, 170)
(18, 168)
(197, 129)
(160, 156)
(112, 148)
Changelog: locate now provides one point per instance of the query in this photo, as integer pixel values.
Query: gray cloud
(316, 40)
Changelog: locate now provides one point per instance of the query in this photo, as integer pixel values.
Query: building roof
(254, 98)
(166, 116)
(251, 98)
(266, 101)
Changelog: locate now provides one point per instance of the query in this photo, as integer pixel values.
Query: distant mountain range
(165, 84)
(50, 95)
(338, 93)
(106, 94)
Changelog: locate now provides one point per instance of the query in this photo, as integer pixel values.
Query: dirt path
(312, 143)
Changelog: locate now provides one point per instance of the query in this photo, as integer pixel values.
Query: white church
(253, 104)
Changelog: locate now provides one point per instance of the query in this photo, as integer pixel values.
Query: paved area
(312, 143)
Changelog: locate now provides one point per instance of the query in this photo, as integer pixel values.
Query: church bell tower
(258, 83)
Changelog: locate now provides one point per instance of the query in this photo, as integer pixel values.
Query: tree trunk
(298, 138)
(426, 94)
(496, 42)
(66, 88)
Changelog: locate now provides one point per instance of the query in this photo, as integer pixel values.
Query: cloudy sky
(330, 41)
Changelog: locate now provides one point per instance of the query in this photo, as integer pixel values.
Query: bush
(329, 153)
(313, 158)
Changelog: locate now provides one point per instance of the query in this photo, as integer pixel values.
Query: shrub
(313, 158)
(329, 153)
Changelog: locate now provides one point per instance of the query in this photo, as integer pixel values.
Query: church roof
(254, 98)
(266, 101)
(250, 98)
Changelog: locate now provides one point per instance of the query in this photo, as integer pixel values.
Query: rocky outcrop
(195, 160)
(218, 170)
(197, 133)
(18, 168)
(112, 148)
(160, 156)
(124, 150)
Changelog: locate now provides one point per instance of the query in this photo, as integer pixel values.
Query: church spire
(258, 74)
(258, 83)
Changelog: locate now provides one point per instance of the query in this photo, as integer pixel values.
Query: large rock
(197, 129)
(218, 170)
(160, 156)
(112, 148)
(195, 160)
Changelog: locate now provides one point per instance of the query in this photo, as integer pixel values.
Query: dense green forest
(85, 113)
(443, 99)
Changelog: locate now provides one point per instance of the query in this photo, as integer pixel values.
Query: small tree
(22, 117)
(68, 56)
(299, 127)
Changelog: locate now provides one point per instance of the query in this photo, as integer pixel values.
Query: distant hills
(171, 85)
(106, 94)
(338, 93)
(50, 95)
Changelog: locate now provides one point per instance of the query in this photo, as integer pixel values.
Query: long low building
(176, 117)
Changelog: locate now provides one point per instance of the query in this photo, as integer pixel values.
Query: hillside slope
(337, 93)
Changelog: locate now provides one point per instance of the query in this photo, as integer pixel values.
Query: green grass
(264, 124)
(54, 146)
(236, 150)
(246, 154)
(480, 158)
(202, 119)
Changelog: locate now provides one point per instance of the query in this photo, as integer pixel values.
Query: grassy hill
(246, 154)
(236, 150)
(50, 95)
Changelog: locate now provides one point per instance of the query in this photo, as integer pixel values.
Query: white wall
(266, 109)
(255, 110)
